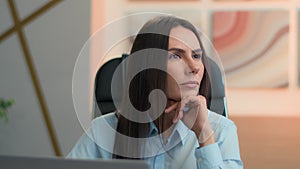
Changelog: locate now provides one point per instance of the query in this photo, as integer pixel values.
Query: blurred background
(257, 41)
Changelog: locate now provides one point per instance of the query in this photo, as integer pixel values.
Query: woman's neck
(167, 125)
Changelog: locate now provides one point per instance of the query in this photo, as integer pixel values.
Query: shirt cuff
(208, 156)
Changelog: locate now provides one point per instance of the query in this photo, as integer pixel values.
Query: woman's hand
(192, 110)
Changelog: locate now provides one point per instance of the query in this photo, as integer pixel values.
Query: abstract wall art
(253, 47)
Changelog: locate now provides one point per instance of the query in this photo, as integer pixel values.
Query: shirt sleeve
(98, 140)
(224, 154)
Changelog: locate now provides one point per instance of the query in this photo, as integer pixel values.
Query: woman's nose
(195, 70)
(192, 67)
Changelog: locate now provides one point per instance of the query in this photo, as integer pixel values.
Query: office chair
(104, 78)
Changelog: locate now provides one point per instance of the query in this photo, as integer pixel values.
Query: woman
(174, 130)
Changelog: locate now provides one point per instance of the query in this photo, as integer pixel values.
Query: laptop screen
(17, 162)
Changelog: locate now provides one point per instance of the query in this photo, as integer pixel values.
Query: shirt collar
(153, 130)
(180, 130)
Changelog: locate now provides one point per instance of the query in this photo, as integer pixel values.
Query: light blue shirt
(182, 146)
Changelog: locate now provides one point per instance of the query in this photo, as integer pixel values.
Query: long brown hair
(153, 35)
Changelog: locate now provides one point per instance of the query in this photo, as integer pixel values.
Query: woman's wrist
(210, 140)
(205, 135)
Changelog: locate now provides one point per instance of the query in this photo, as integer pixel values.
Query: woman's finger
(178, 117)
(171, 108)
(179, 113)
(186, 104)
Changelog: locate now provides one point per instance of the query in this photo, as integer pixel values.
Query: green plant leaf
(10, 102)
(4, 105)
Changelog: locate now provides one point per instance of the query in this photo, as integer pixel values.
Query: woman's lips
(190, 84)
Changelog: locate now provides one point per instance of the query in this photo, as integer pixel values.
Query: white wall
(55, 39)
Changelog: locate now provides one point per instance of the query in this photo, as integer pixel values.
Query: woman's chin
(189, 93)
(178, 96)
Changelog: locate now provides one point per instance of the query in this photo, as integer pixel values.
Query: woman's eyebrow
(177, 49)
(183, 51)
(197, 50)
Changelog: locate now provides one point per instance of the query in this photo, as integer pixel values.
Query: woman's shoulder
(109, 118)
(217, 120)
(103, 132)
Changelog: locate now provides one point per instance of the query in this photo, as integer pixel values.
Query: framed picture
(253, 47)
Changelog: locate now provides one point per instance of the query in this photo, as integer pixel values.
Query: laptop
(17, 162)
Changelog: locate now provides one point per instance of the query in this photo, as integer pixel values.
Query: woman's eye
(174, 56)
(197, 56)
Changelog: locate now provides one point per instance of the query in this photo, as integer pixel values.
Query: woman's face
(184, 64)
